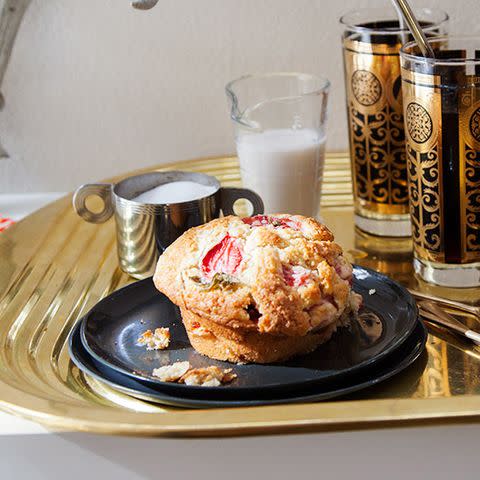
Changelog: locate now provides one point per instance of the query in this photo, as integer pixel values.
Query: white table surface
(30, 451)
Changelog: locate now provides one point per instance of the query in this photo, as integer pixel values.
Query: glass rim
(344, 20)
(323, 82)
(440, 61)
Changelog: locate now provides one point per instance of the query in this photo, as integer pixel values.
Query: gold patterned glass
(371, 42)
(442, 125)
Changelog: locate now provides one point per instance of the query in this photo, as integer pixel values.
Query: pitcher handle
(102, 190)
(230, 195)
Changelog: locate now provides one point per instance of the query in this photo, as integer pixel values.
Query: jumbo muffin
(259, 289)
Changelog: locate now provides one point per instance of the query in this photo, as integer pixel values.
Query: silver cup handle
(102, 190)
(230, 195)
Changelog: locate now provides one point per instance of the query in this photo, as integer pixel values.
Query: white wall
(96, 88)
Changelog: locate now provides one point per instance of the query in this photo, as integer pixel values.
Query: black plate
(110, 331)
(402, 358)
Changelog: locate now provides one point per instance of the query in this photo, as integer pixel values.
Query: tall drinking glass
(279, 121)
(442, 122)
(371, 43)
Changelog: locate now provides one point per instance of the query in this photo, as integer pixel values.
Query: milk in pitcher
(285, 167)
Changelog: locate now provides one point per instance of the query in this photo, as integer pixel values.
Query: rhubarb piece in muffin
(260, 289)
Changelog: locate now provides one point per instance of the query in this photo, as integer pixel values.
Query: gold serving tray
(54, 267)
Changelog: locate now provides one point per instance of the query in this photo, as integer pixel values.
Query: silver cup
(144, 230)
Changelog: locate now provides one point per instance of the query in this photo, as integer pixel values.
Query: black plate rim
(164, 398)
(399, 340)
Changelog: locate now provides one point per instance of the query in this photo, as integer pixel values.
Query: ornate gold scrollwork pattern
(419, 123)
(424, 150)
(425, 201)
(472, 201)
(366, 87)
(474, 124)
(423, 119)
(377, 140)
(469, 112)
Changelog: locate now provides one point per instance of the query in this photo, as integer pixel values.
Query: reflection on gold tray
(54, 267)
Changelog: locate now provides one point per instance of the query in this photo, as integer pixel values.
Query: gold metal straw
(404, 8)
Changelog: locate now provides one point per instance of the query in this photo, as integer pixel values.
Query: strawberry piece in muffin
(225, 257)
(295, 275)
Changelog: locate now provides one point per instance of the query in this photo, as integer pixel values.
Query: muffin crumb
(208, 377)
(158, 340)
(171, 373)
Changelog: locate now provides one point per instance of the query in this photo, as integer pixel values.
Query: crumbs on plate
(208, 377)
(182, 372)
(171, 373)
(157, 340)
